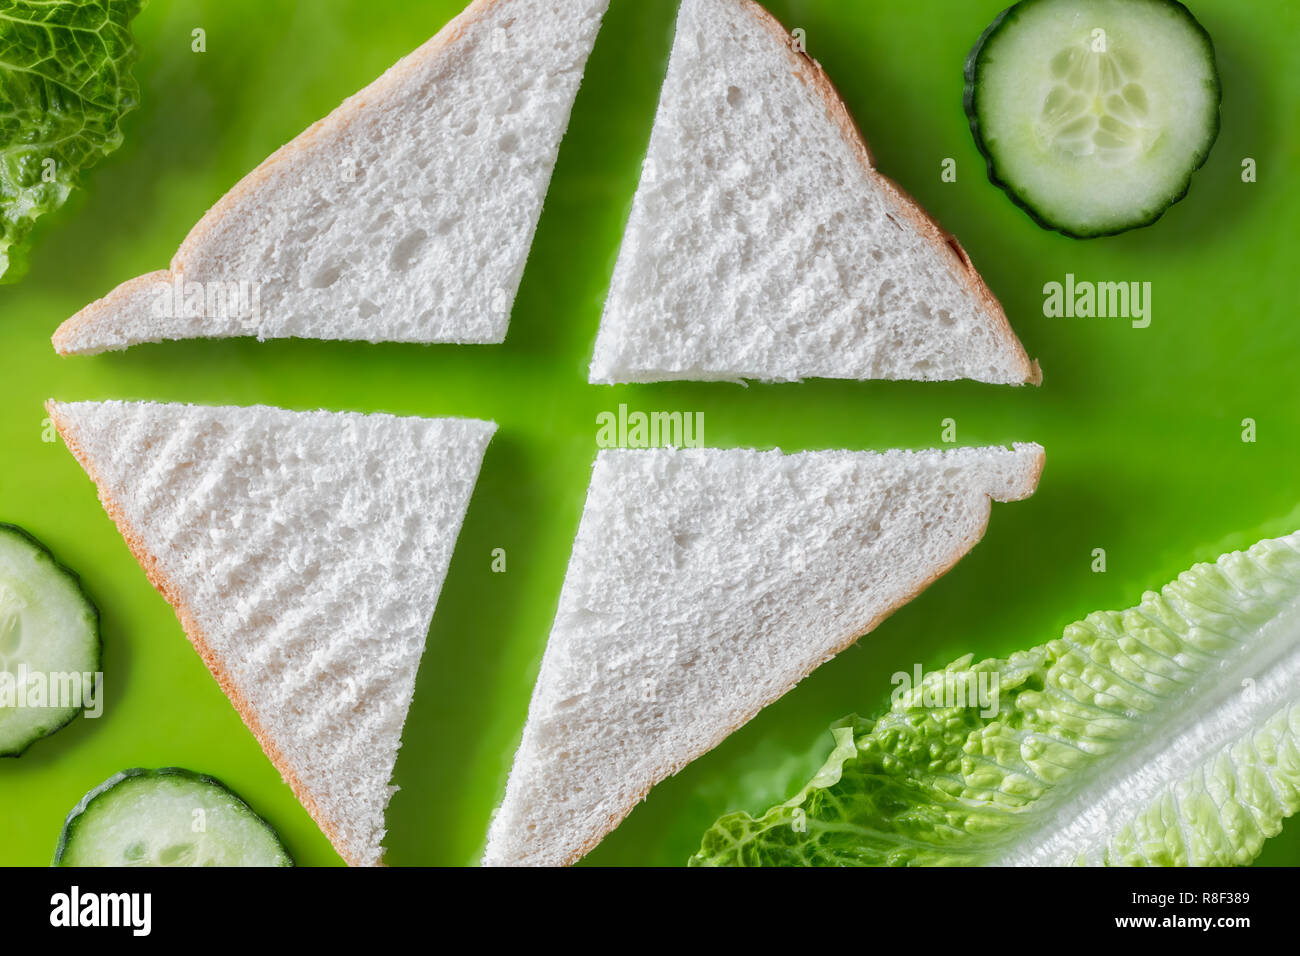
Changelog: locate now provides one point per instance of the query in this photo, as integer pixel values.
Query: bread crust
(842, 644)
(342, 117)
(164, 585)
(810, 72)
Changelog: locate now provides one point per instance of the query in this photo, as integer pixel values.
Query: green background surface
(1143, 428)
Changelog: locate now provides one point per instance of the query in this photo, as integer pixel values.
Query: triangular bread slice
(406, 215)
(303, 553)
(703, 585)
(763, 244)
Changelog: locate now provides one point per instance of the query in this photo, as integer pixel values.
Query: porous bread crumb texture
(703, 585)
(763, 245)
(304, 552)
(406, 215)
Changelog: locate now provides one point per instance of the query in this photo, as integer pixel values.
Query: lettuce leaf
(1166, 734)
(65, 84)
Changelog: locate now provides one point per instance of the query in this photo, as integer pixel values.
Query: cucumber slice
(49, 643)
(167, 817)
(1093, 114)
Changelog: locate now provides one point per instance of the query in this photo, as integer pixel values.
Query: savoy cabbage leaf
(1166, 734)
(65, 83)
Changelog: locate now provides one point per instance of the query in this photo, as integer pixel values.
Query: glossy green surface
(1142, 426)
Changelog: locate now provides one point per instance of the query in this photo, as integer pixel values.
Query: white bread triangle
(703, 585)
(406, 215)
(303, 553)
(763, 244)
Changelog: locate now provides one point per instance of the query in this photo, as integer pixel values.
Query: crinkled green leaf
(65, 83)
(1166, 734)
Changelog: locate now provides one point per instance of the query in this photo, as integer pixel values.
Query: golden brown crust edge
(149, 563)
(810, 71)
(340, 118)
(960, 551)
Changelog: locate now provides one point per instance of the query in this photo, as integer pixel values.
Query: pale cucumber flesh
(168, 817)
(1093, 114)
(49, 643)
